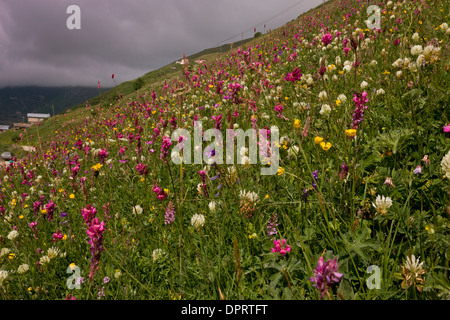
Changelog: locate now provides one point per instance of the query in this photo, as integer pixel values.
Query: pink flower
(446, 128)
(327, 38)
(281, 247)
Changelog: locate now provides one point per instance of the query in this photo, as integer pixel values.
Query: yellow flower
(325, 146)
(280, 171)
(97, 167)
(318, 140)
(64, 237)
(338, 102)
(72, 196)
(11, 256)
(44, 211)
(350, 132)
(21, 216)
(167, 191)
(267, 196)
(386, 72)
(297, 124)
(142, 179)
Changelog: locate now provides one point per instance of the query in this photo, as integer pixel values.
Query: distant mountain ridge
(16, 102)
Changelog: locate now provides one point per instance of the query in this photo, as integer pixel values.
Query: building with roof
(37, 117)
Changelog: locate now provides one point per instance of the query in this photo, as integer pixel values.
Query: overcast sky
(127, 38)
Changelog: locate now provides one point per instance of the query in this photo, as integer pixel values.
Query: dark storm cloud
(127, 38)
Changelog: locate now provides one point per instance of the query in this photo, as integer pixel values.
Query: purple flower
(272, 225)
(418, 170)
(169, 217)
(325, 275)
(344, 171)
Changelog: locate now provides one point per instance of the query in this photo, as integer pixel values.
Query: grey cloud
(127, 38)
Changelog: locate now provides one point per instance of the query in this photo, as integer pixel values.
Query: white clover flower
(23, 268)
(380, 92)
(4, 252)
(342, 98)
(326, 109)
(249, 196)
(198, 220)
(338, 61)
(3, 276)
(416, 50)
(13, 235)
(413, 266)
(364, 84)
(53, 252)
(415, 37)
(212, 206)
(44, 259)
(444, 26)
(323, 95)
(137, 210)
(382, 204)
(399, 74)
(347, 68)
(445, 165)
(157, 254)
(293, 151)
(398, 63)
(420, 59)
(412, 67)
(373, 62)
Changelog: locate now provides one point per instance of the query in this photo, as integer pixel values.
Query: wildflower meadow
(150, 196)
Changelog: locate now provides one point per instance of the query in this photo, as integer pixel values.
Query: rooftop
(38, 115)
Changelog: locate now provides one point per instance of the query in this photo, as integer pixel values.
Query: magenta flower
(281, 247)
(325, 275)
(165, 148)
(50, 207)
(327, 38)
(102, 155)
(95, 233)
(88, 214)
(160, 193)
(360, 100)
(293, 76)
(142, 169)
(446, 128)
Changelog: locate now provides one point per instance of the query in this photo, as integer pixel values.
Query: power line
(263, 22)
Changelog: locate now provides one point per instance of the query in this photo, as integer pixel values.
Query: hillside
(132, 195)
